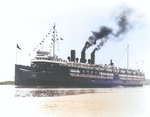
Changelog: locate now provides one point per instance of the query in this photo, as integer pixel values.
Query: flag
(18, 47)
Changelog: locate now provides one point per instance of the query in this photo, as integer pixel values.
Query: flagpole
(17, 47)
(16, 53)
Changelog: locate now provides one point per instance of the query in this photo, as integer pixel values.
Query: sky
(27, 22)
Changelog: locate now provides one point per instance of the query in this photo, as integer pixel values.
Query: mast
(128, 57)
(55, 38)
(54, 41)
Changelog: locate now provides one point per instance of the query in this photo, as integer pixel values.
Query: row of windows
(123, 78)
(130, 81)
(42, 58)
(59, 60)
(89, 67)
(133, 76)
(96, 72)
(87, 75)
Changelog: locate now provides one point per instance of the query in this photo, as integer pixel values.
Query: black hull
(24, 77)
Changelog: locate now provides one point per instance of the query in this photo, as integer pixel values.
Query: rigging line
(133, 57)
(42, 40)
(122, 56)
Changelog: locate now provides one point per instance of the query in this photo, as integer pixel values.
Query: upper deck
(44, 57)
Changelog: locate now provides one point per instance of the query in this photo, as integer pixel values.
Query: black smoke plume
(102, 33)
(123, 23)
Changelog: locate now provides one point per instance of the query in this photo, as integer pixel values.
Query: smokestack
(83, 59)
(93, 56)
(73, 55)
(124, 22)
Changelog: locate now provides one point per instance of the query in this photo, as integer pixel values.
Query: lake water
(74, 102)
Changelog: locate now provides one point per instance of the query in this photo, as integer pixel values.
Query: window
(106, 80)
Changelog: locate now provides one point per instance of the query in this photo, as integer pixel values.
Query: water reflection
(75, 102)
(51, 92)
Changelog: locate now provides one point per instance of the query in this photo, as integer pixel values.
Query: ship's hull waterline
(25, 77)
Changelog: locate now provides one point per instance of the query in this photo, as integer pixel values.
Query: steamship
(52, 71)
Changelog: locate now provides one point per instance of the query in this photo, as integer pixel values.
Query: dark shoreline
(147, 82)
(7, 83)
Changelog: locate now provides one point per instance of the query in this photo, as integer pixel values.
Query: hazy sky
(27, 22)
